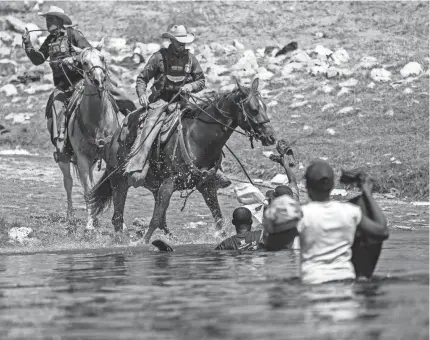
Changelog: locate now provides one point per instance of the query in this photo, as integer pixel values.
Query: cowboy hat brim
(189, 38)
(62, 16)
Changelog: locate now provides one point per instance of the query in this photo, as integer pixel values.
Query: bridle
(90, 73)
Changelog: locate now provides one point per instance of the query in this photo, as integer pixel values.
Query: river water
(197, 293)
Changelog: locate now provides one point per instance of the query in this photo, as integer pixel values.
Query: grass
(393, 32)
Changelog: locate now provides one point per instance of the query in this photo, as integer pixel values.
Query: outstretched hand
(26, 36)
(276, 158)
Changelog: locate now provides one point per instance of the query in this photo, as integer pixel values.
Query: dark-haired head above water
(319, 180)
(242, 219)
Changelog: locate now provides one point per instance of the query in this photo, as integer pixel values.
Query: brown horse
(188, 159)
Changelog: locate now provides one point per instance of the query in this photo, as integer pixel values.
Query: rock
(319, 35)
(380, 75)
(340, 56)
(300, 56)
(9, 90)
(327, 106)
(299, 96)
(306, 128)
(248, 58)
(16, 99)
(298, 104)
(238, 45)
(7, 67)
(6, 37)
(327, 89)
(368, 63)
(115, 44)
(5, 51)
(292, 46)
(408, 90)
(264, 74)
(322, 51)
(271, 51)
(411, 69)
(15, 24)
(152, 48)
(389, 113)
(331, 132)
(345, 72)
(349, 83)
(343, 90)
(318, 69)
(291, 67)
(17, 41)
(332, 72)
(19, 234)
(371, 85)
(422, 203)
(35, 88)
(19, 118)
(346, 110)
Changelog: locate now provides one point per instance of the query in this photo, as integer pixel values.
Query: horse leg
(68, 185)
(85, 174)
(161, 204)
(119, 194)
(209, 193)
(163, 224)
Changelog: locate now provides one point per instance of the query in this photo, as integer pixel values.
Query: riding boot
(138, 165)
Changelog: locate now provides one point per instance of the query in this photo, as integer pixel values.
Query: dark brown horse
(188, 159)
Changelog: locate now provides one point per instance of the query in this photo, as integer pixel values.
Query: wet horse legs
(161, 204)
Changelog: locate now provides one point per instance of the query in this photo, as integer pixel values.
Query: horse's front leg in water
(85, 175)
(209, 193)
(161, 204)
(163, 224)
(68, 185)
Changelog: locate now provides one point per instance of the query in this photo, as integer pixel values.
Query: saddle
(135, 120)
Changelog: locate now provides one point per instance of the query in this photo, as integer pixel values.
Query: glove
(143, 100)
(26, 37)
(69, 61)
(187, 88)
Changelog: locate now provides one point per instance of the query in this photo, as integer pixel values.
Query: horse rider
(173, 69)
(66, 69)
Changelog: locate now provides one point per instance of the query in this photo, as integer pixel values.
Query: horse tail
(100, 196)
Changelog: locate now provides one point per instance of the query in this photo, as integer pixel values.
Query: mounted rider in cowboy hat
(66, 69)
(173, 69)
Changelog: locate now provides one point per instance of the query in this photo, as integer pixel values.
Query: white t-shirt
(326, 234)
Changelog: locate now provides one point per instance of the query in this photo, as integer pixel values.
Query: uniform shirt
(56, 46)
(250, 240)
(326, 233)
(155, 69)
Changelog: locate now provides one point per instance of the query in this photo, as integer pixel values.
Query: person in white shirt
(328, 228)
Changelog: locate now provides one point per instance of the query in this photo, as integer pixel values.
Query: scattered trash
(279, 179)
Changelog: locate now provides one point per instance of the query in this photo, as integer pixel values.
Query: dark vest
(176, 70)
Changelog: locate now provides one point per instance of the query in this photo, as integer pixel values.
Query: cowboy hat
(57, 12)
(179, 33)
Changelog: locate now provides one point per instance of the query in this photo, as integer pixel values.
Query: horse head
(93, 64)
(253, 116)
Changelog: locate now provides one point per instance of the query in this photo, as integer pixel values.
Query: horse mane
(217, 99)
